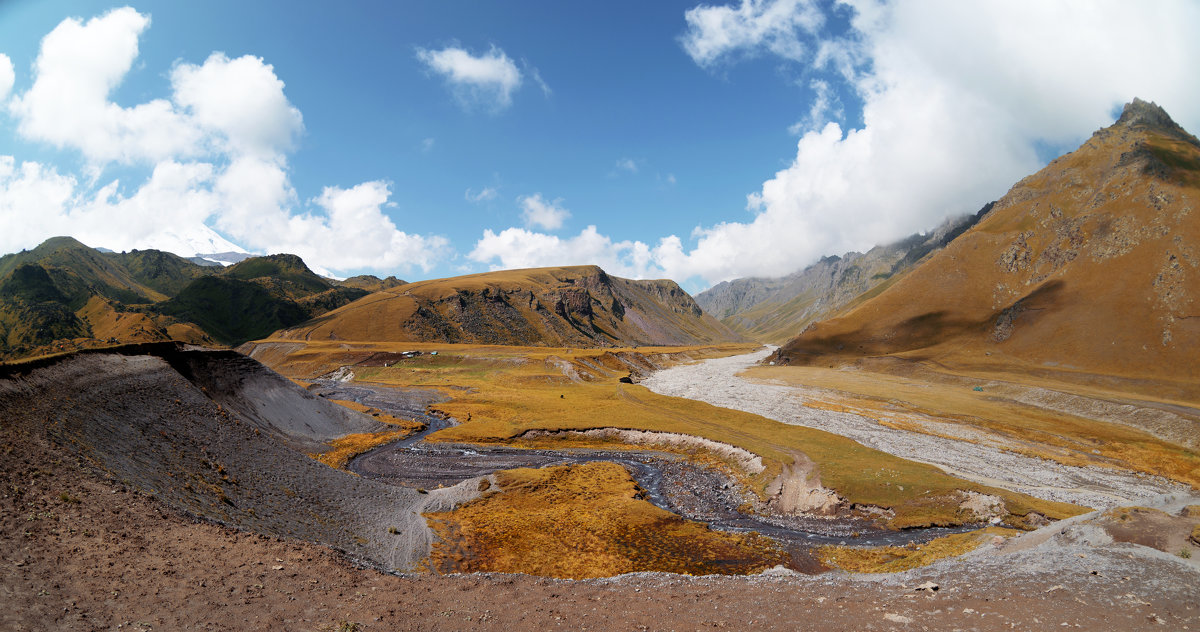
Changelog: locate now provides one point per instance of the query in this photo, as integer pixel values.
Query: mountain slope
(773, 310)
(64, 295)
(570, 306)
(1092, 264)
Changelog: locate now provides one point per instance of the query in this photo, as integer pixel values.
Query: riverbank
(976, 457)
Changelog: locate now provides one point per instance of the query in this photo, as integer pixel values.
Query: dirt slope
(218, 435)
(1091, 265)
(572, 306)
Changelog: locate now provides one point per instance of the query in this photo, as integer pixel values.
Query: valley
(991, 426)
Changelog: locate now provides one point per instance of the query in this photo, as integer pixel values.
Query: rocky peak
(1143, 114)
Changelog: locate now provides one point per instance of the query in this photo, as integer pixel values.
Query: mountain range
(773, 310)
(1090, 265)
(63, 295)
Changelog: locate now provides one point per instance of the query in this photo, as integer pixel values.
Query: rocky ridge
(773, 310)
(571, 306)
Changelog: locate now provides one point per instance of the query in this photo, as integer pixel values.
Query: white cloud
(776, 26)
(218, 157)
(488, 80)
(7, 76)
(520, 248)
(78, 66)
(486, 195)
(427, 144)
(241, 100)
(826, 106)
(955, 98)
(628, 165)
(537, 78)
(543, 213)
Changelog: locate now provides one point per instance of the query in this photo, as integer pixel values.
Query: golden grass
(945, 396)
(349, 446)
(893, 559)
(498, 393)
(582, 521)
(345, 448)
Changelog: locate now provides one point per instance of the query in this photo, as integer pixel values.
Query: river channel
(668, 481)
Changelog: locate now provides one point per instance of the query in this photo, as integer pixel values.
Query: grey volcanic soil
(223, 438)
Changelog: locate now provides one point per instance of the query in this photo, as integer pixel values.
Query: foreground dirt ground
(82, 553)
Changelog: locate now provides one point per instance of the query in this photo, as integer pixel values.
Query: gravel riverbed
(717, 382)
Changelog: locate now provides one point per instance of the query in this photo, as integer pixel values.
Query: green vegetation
(233, 311)
(64, 295)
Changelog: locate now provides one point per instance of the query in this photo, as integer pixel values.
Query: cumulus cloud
(241, 100)
(217, 152)
(628, 165)
(751, 28)
(488, 80)
(826, 106)
(520, 248)
(543, 213)
(77, 68)
(955, 99)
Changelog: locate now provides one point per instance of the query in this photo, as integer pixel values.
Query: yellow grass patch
(892, 559)
(582, 521)
(345, 448)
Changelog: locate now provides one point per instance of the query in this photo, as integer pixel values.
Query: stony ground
(716, 382)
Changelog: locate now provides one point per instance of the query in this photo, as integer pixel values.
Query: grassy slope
(575, 306)
(64, 295)
(231, 310)
(1089, 266)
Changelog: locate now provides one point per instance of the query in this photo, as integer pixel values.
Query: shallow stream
(670, 482)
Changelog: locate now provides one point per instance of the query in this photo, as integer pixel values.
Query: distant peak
(1139, 112)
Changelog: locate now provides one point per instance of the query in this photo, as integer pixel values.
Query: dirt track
(716, 382)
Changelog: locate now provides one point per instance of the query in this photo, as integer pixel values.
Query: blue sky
(657, 139)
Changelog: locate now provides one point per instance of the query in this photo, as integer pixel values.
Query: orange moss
(584, 521)
(893, 559)
(352, 445)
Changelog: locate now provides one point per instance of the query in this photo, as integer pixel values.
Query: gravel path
(716, 382)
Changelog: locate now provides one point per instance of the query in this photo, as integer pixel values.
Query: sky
(697, 142)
